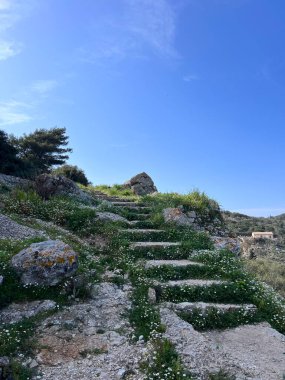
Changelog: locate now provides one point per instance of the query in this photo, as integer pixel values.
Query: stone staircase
(182, 286)
(151, 246)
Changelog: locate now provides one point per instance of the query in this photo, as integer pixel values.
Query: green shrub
(63, 211)
(72, 172)
(207, 208)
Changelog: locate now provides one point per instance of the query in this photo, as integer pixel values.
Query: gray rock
(151, 294)
(4, 361)
(48, 185)
(33, 364)
(177, 216)
(12, 182)
(141, 184)
(232, 244)
(1, 280)
(16, 312)
(45, 263)
(110, 217)
(9, 229)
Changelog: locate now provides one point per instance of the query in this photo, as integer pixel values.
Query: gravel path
(13, 230)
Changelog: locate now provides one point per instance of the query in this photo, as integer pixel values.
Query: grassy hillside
(240, 224)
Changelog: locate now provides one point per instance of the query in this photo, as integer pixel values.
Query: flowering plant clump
(217, 319)
(163, 362)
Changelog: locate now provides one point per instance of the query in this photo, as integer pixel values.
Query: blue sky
(190, 91)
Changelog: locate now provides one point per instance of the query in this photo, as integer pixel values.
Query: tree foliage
(72, 172)
(9, 161)
(41, 150)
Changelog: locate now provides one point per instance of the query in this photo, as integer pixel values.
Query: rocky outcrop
(177, 216)
(48, 185)
(14, 313)
(231, 244)
(252, 248)
(45, 263)
(247, 352)
(204, 222)
(13, 230)
(141, 184)
(91, 340)
(13, 182)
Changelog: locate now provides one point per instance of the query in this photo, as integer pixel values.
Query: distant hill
(240, 224)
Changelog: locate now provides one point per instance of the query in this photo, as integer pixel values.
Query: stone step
(124, 204)
(141, 231)
(114, 199)
(205, 307)
(190, 283)
(153, 244)
(138, 222)
(142, 209)
(173, 263)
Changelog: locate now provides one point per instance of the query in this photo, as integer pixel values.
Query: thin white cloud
(22, 111)
(11, 12)
(43, 87)
(154, 23)
(5, 5)
(138, 29)
(190, 78)
(9, 49)
(14, 112)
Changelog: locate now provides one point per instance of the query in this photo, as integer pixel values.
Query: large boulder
(177, 216)
(45, 263)
(48, 185)
(141, 184)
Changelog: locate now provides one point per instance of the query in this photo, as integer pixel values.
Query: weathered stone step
(154, 244)
(205, 306)
(173, 263)
(141, 231)
(135, 223)
(135, 210)
(125, 204)
(190, 283)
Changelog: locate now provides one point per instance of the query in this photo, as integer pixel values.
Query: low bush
(63, 211)
(207, 208)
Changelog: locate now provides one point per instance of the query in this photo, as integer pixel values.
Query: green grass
(164, 363)
(237, 292)
(115, 190)
(206, 208)
(215, 319)
(18, 371)
(167, 273)
(63, 211)
(269, 271)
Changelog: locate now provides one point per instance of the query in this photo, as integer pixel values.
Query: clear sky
(190, 91)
